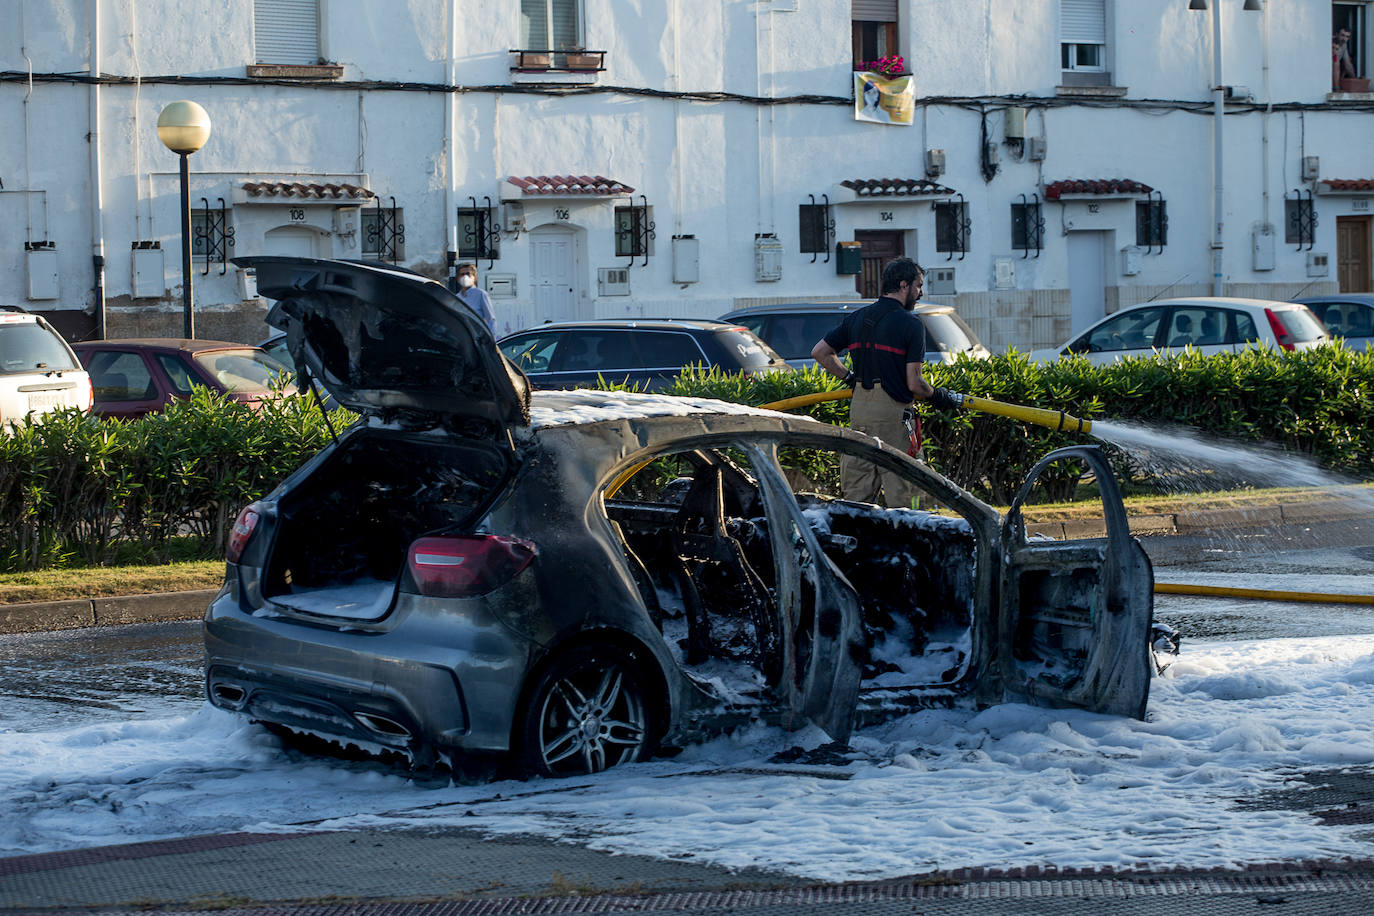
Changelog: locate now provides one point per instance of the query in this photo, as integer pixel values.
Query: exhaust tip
(229, 693)
(381, 725)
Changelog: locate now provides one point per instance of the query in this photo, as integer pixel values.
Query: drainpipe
(1218, 112)
(97, 206)
(451, 146)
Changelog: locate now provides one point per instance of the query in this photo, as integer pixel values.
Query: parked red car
(143, 375)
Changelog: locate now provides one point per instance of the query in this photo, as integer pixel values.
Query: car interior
(695, 531)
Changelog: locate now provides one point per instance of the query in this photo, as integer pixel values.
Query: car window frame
(664, 332)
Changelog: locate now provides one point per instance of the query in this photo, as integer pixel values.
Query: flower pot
(1354, 84)
(534, 60)
(584, 61)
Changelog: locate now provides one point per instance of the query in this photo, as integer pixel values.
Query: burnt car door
(1074, 627)
(820, 614)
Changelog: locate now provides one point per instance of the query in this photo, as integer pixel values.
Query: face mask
(466, 281)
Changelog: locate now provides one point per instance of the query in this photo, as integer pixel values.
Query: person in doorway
(473, 296)
(888, 344)
(1341, 65)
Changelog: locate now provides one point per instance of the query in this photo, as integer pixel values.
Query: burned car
(582, 577)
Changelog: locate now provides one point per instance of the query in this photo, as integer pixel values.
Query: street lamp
(183, 127)
(1218, 112)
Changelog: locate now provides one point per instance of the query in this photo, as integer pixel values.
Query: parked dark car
(583, 576)
(139, 376)
(792, 328)
(647, 352)
(1346, 315)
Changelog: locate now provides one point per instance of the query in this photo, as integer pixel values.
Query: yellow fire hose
(1263, 594)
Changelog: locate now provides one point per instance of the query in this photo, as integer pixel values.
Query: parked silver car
(1349, 316)
(582, 577)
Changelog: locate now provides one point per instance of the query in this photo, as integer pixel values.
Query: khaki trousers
(874, 413)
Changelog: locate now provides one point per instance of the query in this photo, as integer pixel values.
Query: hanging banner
(883, 100)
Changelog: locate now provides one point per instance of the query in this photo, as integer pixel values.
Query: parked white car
(38, 370)
(1208, 324)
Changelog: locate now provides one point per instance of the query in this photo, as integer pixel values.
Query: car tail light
(90, 394)
(242, 532)
(468, 566)
(1280, 332)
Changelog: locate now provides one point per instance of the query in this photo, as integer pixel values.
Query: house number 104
(885, 215)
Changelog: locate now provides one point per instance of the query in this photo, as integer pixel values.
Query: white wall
(719, 169)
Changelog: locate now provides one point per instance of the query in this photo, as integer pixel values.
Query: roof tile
(307, 190)
(1349, 184)
(895, 187)
(1095, 187)
(591, 185)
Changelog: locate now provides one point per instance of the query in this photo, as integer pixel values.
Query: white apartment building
(612, 158)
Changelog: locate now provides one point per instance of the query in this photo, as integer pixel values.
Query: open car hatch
(1075, 624)
(381, 339)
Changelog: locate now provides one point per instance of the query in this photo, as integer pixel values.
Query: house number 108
(561, 213)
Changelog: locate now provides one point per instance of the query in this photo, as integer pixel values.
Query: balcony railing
(533, 60)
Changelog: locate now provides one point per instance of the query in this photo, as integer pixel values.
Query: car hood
(381, 339)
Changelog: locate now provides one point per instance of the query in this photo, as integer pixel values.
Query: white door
(1087, 278)
(291, 241)
(553, 273)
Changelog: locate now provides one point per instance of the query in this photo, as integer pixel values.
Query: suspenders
(863, 347)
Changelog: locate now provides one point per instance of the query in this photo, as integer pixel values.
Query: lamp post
(183, 127)
(1218, 112)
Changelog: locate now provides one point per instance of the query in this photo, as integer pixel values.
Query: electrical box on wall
(1014, 128)
(150, 271)
(613, 281)
(940, 281)
(1035, 149)
(500, 286)
(767, 258)
(1262, 244)
(1316, 264)
(1311, 168)
(248, 283)
(935, 163)
(513, 216)
(686, 259)
(1003, 273)
(1130, 260)
(346, 225)
(42, 263)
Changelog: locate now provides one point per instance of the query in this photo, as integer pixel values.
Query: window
(597, 351)
(1027, 227)
(551, 25)
(121, 375)
(951, 226)
(632, 232)
(1134, 330)
(384, 234)
(475, 236)
(1299, 221)
(814, 228)
(286, 31)
(1151, 224)
(1351, 18)
(211, 236)
(1083, 41)
(533, 352)
(873, 30)
(668, 349)
(177, 373)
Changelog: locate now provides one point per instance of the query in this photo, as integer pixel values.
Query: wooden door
(879, 247)
(1353, 254)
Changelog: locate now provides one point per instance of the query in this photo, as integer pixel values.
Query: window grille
(1028, 226)
(634, 228)
(479, 235)
(952, 227)
(211, 235)
(1151, 223)
(816, 230)
(1300, 220)
(384, 232)
(550, 26)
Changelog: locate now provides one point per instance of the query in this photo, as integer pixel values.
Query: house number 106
(561, 213)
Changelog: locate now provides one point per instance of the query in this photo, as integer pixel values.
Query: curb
(39, 616)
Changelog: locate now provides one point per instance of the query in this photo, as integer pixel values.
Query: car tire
(590, 710)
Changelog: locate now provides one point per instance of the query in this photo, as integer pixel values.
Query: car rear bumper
(450, 685)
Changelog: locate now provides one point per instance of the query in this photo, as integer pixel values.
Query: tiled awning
(1084, 188)
(858, 190)
(1346, 186)
(571, 185)
(262, 191)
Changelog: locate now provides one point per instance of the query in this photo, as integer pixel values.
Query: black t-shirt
(898, 338)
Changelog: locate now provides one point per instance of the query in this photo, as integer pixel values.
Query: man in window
(889, 344)
(1341, 64)
(473, 296)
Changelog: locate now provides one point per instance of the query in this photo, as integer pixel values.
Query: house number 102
(561, 213)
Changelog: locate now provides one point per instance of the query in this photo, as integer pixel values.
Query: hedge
(74, 489)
